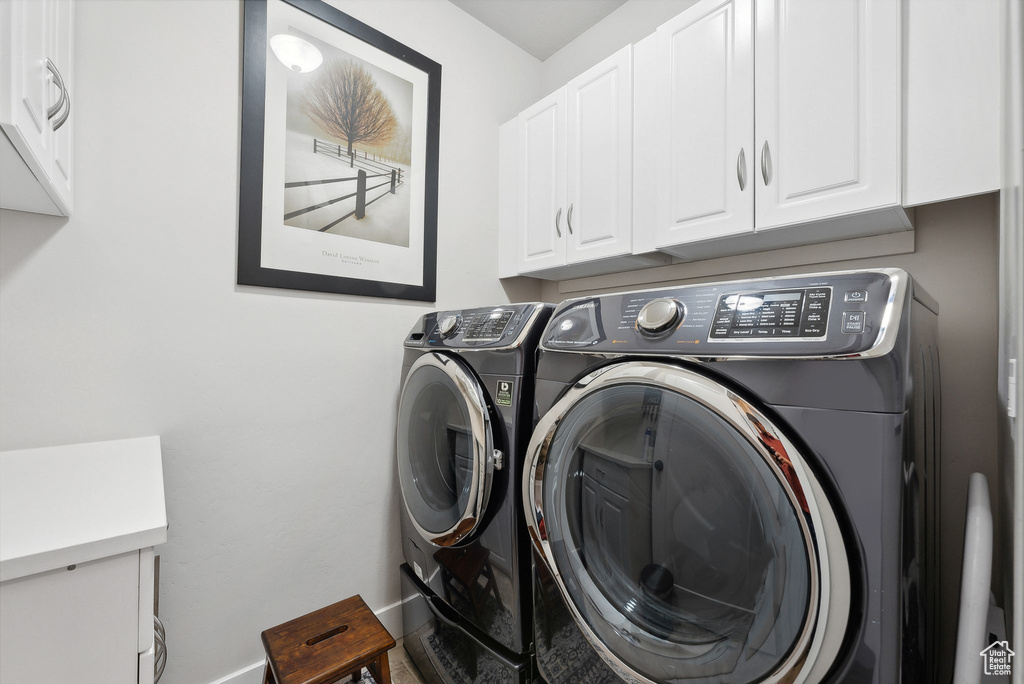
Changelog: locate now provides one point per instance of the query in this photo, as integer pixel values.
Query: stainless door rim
(483, 449)
(820, 639)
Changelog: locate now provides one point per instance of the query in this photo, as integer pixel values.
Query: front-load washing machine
(464, 419)
(731, 482)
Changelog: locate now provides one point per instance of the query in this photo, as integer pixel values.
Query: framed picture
(338, 181)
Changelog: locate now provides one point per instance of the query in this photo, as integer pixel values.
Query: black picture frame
(250, 197)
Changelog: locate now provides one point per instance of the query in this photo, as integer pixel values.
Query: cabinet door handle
(568, 220)
(558, 218)
(66, 114)
(766, 163)
(52, 68)
(741, 170)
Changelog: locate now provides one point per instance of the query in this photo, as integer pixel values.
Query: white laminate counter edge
(76, 503)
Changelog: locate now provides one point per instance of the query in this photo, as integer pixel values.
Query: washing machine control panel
(789, 314)
(490, 327)
(826, 314)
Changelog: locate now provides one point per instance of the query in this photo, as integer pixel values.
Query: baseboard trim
(389, 616)
(250, 674)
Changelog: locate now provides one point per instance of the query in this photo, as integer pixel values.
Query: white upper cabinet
(36, 63)
(827, 115)
(599, 165)
(63, 45)
(574, 165)
(542, 184)
(705, 122)
(27, 31)
(743, 126)
(953, 58)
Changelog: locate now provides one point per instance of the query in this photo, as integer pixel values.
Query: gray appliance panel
(500, 539)
(865, 455)
(829, 314)
(489, 327)
(504, 612)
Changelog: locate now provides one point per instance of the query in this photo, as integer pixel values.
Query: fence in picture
(368, 168)
(372, 160)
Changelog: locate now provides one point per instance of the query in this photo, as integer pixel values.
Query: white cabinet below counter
(77, 529)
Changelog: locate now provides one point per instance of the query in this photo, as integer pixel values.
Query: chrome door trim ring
(483, 448)
(828, 603)
(884, 341)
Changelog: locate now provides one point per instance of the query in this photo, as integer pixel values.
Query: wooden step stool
(328, 645)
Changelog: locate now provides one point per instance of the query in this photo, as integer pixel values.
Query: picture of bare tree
(340, 147)
(345, 100)
(348, 149)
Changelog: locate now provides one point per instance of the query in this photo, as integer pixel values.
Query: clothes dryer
(464, 418)
(733, 482)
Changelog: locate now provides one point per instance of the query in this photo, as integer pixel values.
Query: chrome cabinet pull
(52, 68)
(741, 170)
(568, 219)
(558, 218)
(65, 115)
(766, 163)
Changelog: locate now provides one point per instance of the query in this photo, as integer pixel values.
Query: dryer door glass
(444, 447)
(683, 551)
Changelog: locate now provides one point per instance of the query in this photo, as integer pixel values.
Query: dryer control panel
(829, 314)
(794, 313)
(486, 327)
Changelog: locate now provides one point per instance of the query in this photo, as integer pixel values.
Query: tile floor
(402, 669)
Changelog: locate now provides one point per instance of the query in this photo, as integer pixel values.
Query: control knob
(660, 315)
(449, 325)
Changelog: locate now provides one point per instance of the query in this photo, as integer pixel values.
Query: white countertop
(76, 503)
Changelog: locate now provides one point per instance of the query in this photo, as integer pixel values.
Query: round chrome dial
(659, 315)
(449, 325)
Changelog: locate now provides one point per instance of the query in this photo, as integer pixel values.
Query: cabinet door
(26, 28)
(542, 184)
(951, 105)
(62, 51)
(827, 121)
(73, 626)
(706, 123)
(599, 165)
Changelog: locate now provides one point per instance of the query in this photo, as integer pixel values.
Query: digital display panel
(781, 314)
(488, 326)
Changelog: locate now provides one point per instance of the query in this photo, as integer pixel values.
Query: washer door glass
(676, 542)
(443, 443)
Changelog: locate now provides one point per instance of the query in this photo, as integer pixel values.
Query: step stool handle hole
(326, 635)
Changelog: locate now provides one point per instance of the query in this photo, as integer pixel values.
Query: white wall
(276, 407)
(627, 24)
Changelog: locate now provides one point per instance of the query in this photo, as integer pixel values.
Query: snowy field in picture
(348, 149)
